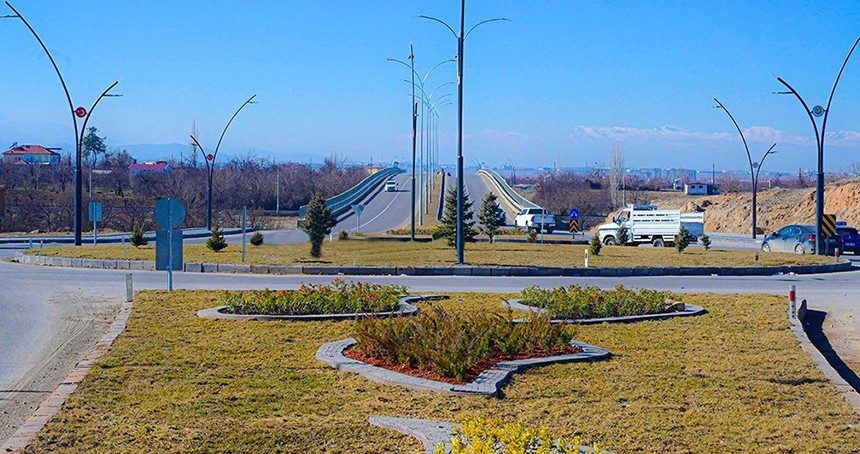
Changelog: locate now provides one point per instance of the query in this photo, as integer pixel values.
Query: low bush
(343, 235)
(595, 245)
(450, 345)
(216, 241)
(531, 235)
(257, 239)
(492, 436)
(338, 298)
(575, 302)
(137, 238)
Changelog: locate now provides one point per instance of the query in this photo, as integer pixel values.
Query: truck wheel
(765, 247)
(658, 242)
(799, 249)
(609, 240)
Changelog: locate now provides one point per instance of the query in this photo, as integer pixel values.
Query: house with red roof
(159, 167)
(31, 154)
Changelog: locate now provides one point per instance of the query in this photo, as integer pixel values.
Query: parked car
(850, 237)
(391, 186)
(800, 239)
(535, 218)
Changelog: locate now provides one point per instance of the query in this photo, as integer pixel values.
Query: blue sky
(562, 78)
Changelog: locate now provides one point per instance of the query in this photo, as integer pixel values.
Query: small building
(699, 188)
(371, 169)
(157, 167)
(31, 154)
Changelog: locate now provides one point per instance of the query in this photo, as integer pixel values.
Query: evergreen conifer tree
(318, 223)
(448, 228)
(490, 216)
(217, 241)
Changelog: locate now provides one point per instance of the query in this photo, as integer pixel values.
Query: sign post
(574, 221)
(169, 213)
(244, 230)
(358, 208)
(95, 210)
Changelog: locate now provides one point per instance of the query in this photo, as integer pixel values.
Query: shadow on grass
(814, 321)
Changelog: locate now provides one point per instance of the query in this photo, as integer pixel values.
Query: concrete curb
(844, 388)
(52, 404)
(430, 432)
(689, 310)
(404, 309)
(488, 383)
(523, 271)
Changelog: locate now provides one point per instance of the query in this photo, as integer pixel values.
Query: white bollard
(792, 301)
(836, 256)
(129, 288)
(586, 258)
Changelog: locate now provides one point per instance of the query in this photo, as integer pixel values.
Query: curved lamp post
(413, 73)
(755, 167)
(210, 161)
(461, 37)
(77, 112)
(426, 108)
(818, 111)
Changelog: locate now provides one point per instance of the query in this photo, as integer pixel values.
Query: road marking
(378, 215)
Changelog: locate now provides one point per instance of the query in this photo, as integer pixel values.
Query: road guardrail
(512, 197)
(342, 202)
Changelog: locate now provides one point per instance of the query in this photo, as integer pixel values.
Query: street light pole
(460, 40)
(755, 167)
(817, 111)
(210, 161)
(79, 112)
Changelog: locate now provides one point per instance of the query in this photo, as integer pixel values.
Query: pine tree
(682, 239)
(706, 241)
(137, 239)
(490, 216)
(217, 241)
(448, 228)
(622, 235)
(531, 236)
(257, 239)
(318, 223)
(595, 246)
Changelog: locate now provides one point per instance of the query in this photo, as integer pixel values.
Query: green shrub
(531, 235)
(595, 246)
(338, 298)
(137, 238)
(622, 235)
(216, 241)
(257, 239)
(575, 302)
(318, 222)
(343, 235)
(449, 345)
(481, 436)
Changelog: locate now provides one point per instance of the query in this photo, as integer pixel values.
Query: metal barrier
(511, 197)
(342, 202)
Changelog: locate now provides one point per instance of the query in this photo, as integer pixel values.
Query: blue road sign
(818, 111)
(95, 211)
(169, 213)
(168, 249)
(574, 213)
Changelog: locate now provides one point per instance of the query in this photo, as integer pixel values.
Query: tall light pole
(210, 161)
(755, 167)
(78, 112)
(460, 39)
(818, 111)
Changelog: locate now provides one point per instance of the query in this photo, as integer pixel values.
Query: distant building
(699, 188)
(374, 168)
(31, 154)
(158, 167)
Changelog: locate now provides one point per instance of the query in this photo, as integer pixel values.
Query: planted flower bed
(492, 436)
(338, 298)
(574, 302)
(436, 344)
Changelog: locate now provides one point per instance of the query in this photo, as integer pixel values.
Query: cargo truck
(647, 224)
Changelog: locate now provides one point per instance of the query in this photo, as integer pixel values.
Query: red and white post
(756, 258)
(792, 301)
(586, 257)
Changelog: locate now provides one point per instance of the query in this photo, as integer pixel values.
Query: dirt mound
(776, 207)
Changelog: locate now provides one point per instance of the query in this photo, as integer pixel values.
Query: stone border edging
(522, 271)
(488, 382)
(818, 358)
(54, 402)
(404, 309)
(431, 432)
(689, 310)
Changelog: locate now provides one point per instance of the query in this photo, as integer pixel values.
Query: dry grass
(375, 252)
(732, 380)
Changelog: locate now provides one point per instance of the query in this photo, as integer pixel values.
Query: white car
(391, 186)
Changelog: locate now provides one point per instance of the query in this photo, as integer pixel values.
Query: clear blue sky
(563, 77)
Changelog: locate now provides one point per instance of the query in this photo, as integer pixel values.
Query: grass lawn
(732, 380)
(437, 253)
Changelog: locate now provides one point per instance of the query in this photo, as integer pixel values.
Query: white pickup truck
(647, 224)
(535, 218)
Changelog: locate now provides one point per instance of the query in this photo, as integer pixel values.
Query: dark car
(800, 239)
(850, 237)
